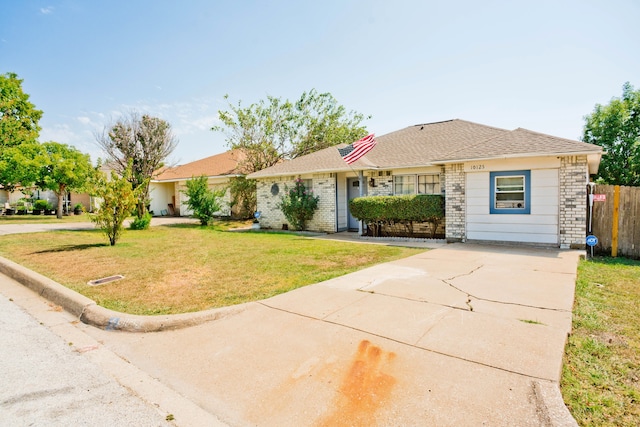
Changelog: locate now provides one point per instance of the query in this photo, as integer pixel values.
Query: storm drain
(105, 280)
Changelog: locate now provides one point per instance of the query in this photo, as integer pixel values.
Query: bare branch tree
(142, 141)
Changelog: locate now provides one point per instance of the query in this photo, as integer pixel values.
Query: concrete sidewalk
(461, 335)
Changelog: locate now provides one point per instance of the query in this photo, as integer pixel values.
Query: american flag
(354, 151)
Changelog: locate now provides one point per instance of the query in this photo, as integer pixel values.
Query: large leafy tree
(616, 127)
(63, 168)
(20, 165)
(141, 142)
(18, 134)
(18, 117)
(273, 130)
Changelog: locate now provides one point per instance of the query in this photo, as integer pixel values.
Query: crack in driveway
(370, 288)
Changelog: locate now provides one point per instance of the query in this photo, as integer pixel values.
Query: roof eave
(290, 173)
(515, 156)
(188, 178)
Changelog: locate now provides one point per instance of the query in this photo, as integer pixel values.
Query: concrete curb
(92, 314)
(550, 405)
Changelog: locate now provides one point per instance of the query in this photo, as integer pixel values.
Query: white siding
(161, 195)
(540, 226)
(184, 209)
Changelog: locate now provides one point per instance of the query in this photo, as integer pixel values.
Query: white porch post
(361, 185)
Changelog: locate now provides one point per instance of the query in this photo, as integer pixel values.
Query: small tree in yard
(202, 201)
(298, 205)
(118, 200)
(63, 169)
(243, 196)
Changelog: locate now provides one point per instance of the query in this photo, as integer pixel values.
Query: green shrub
(298, 205)
(377, 211)
(141, 223)
(42, 205)
(202, 201)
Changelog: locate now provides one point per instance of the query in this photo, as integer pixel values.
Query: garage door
(539, 225)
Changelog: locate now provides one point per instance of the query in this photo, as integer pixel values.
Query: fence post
(616, 212)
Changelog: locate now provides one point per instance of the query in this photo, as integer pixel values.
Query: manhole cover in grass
(105, 280)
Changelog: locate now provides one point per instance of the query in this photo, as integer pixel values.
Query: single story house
(11, 198)
(499, 185)
(167, 188)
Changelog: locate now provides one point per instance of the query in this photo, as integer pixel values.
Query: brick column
(455, 202)
(574, 175)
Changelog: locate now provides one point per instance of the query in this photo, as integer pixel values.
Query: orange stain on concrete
(364, 389)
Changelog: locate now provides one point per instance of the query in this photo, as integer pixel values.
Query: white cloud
(185, 117)
(82, 137)
(46, 10)
(200, 123)
(59, 133)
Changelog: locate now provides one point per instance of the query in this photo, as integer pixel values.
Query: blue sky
(539, 65)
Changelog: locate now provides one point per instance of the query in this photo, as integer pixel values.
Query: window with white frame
(511, 192)
(429, 184)
(308, 184)
(404, 184)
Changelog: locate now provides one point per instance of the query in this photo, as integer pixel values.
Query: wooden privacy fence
(616, 220)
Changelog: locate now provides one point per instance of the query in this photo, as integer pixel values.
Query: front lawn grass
(185, 268)
(601, 371)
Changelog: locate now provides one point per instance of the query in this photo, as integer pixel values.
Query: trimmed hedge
(377, 211)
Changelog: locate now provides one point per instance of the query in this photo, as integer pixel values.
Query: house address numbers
(477, 167)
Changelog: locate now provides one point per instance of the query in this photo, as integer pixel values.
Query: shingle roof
(434, 143)
(218, 165)
(520, 143)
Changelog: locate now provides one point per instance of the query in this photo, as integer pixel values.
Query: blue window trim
(527, 193)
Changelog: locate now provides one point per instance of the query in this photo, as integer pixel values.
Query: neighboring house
(33, 194)
(499, 185)
(167, 188)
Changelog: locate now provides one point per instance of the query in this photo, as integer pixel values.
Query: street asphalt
(460, 335)
(47, 381)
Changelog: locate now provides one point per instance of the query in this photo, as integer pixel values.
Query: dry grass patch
(176, 269)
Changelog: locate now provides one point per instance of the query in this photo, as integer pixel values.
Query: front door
(353, 191)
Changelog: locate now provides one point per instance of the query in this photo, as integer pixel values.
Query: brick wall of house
(454, 180)
(384, 184)
(324, 186)
(574, 174)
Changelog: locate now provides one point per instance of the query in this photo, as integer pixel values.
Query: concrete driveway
(457, 336)
(18, 228)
